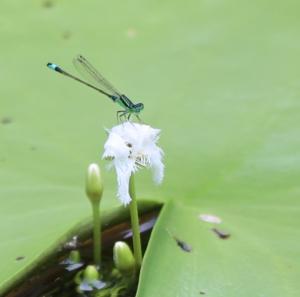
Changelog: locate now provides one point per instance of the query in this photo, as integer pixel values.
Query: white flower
(129, 147)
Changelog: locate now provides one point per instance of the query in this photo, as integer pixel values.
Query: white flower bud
(94, 185)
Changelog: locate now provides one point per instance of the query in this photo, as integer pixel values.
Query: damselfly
(100, 84)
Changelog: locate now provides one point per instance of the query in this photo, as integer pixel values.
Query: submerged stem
(137, 248)
(97, 234)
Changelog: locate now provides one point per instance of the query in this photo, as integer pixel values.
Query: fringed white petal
(157, 166)
(115, 147)
(124, 171)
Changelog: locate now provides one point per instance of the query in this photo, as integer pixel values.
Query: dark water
(51, 279)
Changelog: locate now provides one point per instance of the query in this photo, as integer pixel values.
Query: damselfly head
(138, 107)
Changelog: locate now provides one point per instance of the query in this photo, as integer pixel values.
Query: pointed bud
(123, 258)
(94, 186)
(90, 274)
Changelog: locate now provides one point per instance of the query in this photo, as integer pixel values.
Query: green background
(219, 78)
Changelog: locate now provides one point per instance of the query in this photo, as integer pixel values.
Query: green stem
(137, 248)
(97, 234)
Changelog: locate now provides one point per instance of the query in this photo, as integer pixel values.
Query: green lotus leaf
(219, 78)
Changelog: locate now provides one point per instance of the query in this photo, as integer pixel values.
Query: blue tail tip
(54, 67)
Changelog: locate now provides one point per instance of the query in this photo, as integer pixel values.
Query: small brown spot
(20, 258)
(48, 3)
(6, 120)
(202, 293)
(129, 144)
(66, 35)
(182, 244)
(221, 234)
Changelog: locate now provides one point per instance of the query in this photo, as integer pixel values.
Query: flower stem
(137, 248)
(97, 235)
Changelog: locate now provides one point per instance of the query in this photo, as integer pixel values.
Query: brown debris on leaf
(221, 234)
